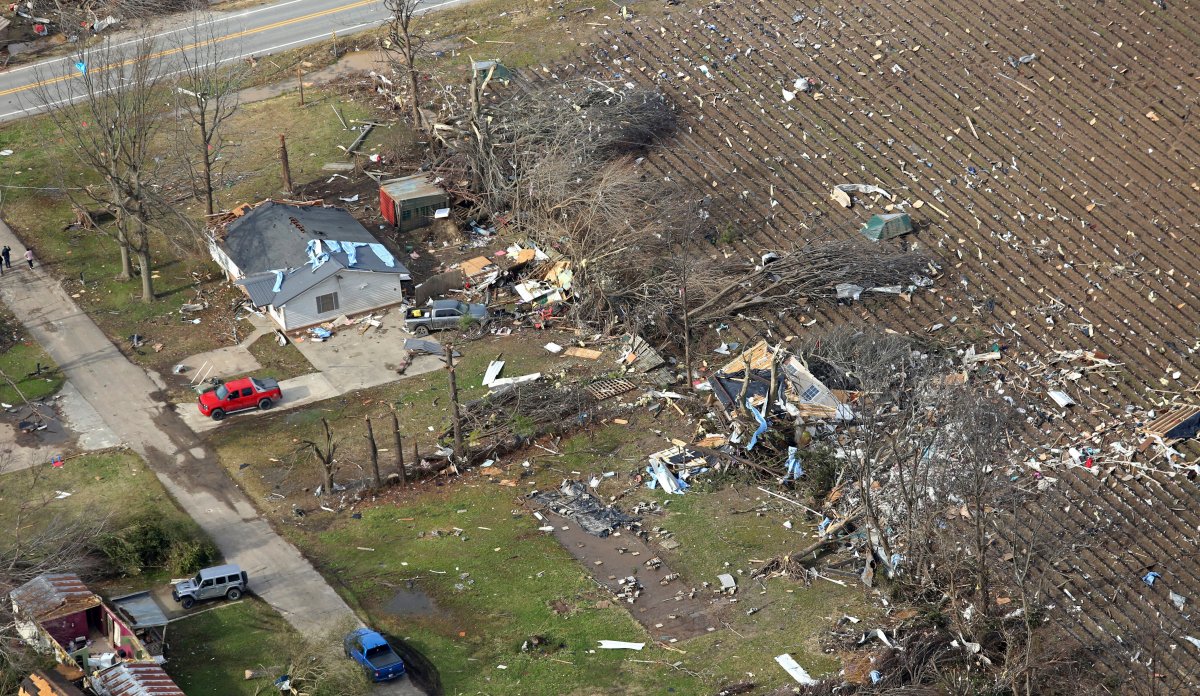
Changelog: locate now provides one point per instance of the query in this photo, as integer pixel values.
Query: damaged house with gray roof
(307, 264)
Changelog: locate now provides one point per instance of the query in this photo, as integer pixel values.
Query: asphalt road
(259, 31)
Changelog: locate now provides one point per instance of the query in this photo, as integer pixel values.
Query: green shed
(887, 226)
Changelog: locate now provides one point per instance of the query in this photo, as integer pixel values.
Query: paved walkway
(127, 400)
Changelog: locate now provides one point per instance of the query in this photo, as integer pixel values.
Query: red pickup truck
(238, 395)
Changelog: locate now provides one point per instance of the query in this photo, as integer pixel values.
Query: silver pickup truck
(443, 314)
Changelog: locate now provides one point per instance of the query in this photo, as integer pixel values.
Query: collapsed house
(307, 264)
(57, 614)
(762, 371)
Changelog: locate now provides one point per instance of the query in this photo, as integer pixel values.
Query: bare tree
(402, 47)
(314, 666)
(42, 539)
(109, 114)
(373, 450)
(324, 453)
(208, 88)
(399, 442)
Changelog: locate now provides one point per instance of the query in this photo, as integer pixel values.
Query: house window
(811, 393)
(406, 215)
(327, 303)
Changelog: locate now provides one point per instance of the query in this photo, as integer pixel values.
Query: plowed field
(1058, 194)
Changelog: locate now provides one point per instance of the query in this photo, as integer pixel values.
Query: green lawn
(279, 362)
(212, 649)
(19, 363)
(517, 572)
(100, 483)
(513, 574)
(114, 488)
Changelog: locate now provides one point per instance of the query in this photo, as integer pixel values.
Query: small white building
(308, 264)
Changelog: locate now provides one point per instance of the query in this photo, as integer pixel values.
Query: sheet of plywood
(583, 353)
(475, 266)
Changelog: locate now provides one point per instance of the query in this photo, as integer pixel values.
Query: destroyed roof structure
(57, 614)
(49, 683)
(801, 393)
(135, 679)
(306, 264)
(53, 596)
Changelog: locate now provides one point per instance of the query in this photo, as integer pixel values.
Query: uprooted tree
(78, 13)
(924, 495)
(565, 164)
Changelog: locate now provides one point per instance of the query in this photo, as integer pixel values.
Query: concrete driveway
(349, 361)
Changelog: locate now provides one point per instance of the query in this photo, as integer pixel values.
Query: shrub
(821, 471)
(153, 541)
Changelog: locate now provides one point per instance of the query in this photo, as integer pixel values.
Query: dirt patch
(668, 611)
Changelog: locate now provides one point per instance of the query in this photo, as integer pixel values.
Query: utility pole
(455, 413)
(283, 161)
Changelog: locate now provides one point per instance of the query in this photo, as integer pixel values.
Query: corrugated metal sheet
(414, 189)
(135, 679)
(141, 610)
(53, 596)
(358, 292)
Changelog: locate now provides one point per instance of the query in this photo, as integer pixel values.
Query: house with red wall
(56, 613)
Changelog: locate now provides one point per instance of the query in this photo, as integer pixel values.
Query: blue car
(369, 649)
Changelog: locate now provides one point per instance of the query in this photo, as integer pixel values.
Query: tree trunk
(206, 157)
(399, 448)
(123, 243)
(126, 263)
(374, 449)
(454, 412)
(283, 161)
(327, 471)
(414, 102)
(147, 282)
(687, 337)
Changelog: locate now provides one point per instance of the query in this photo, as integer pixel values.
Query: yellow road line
(167, 52)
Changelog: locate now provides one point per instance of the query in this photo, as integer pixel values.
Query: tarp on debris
(887, 226)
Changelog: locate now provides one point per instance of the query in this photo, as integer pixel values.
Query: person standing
(4, 255)
(29, 258)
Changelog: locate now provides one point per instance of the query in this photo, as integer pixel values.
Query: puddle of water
(29, 418)
(411, 603)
